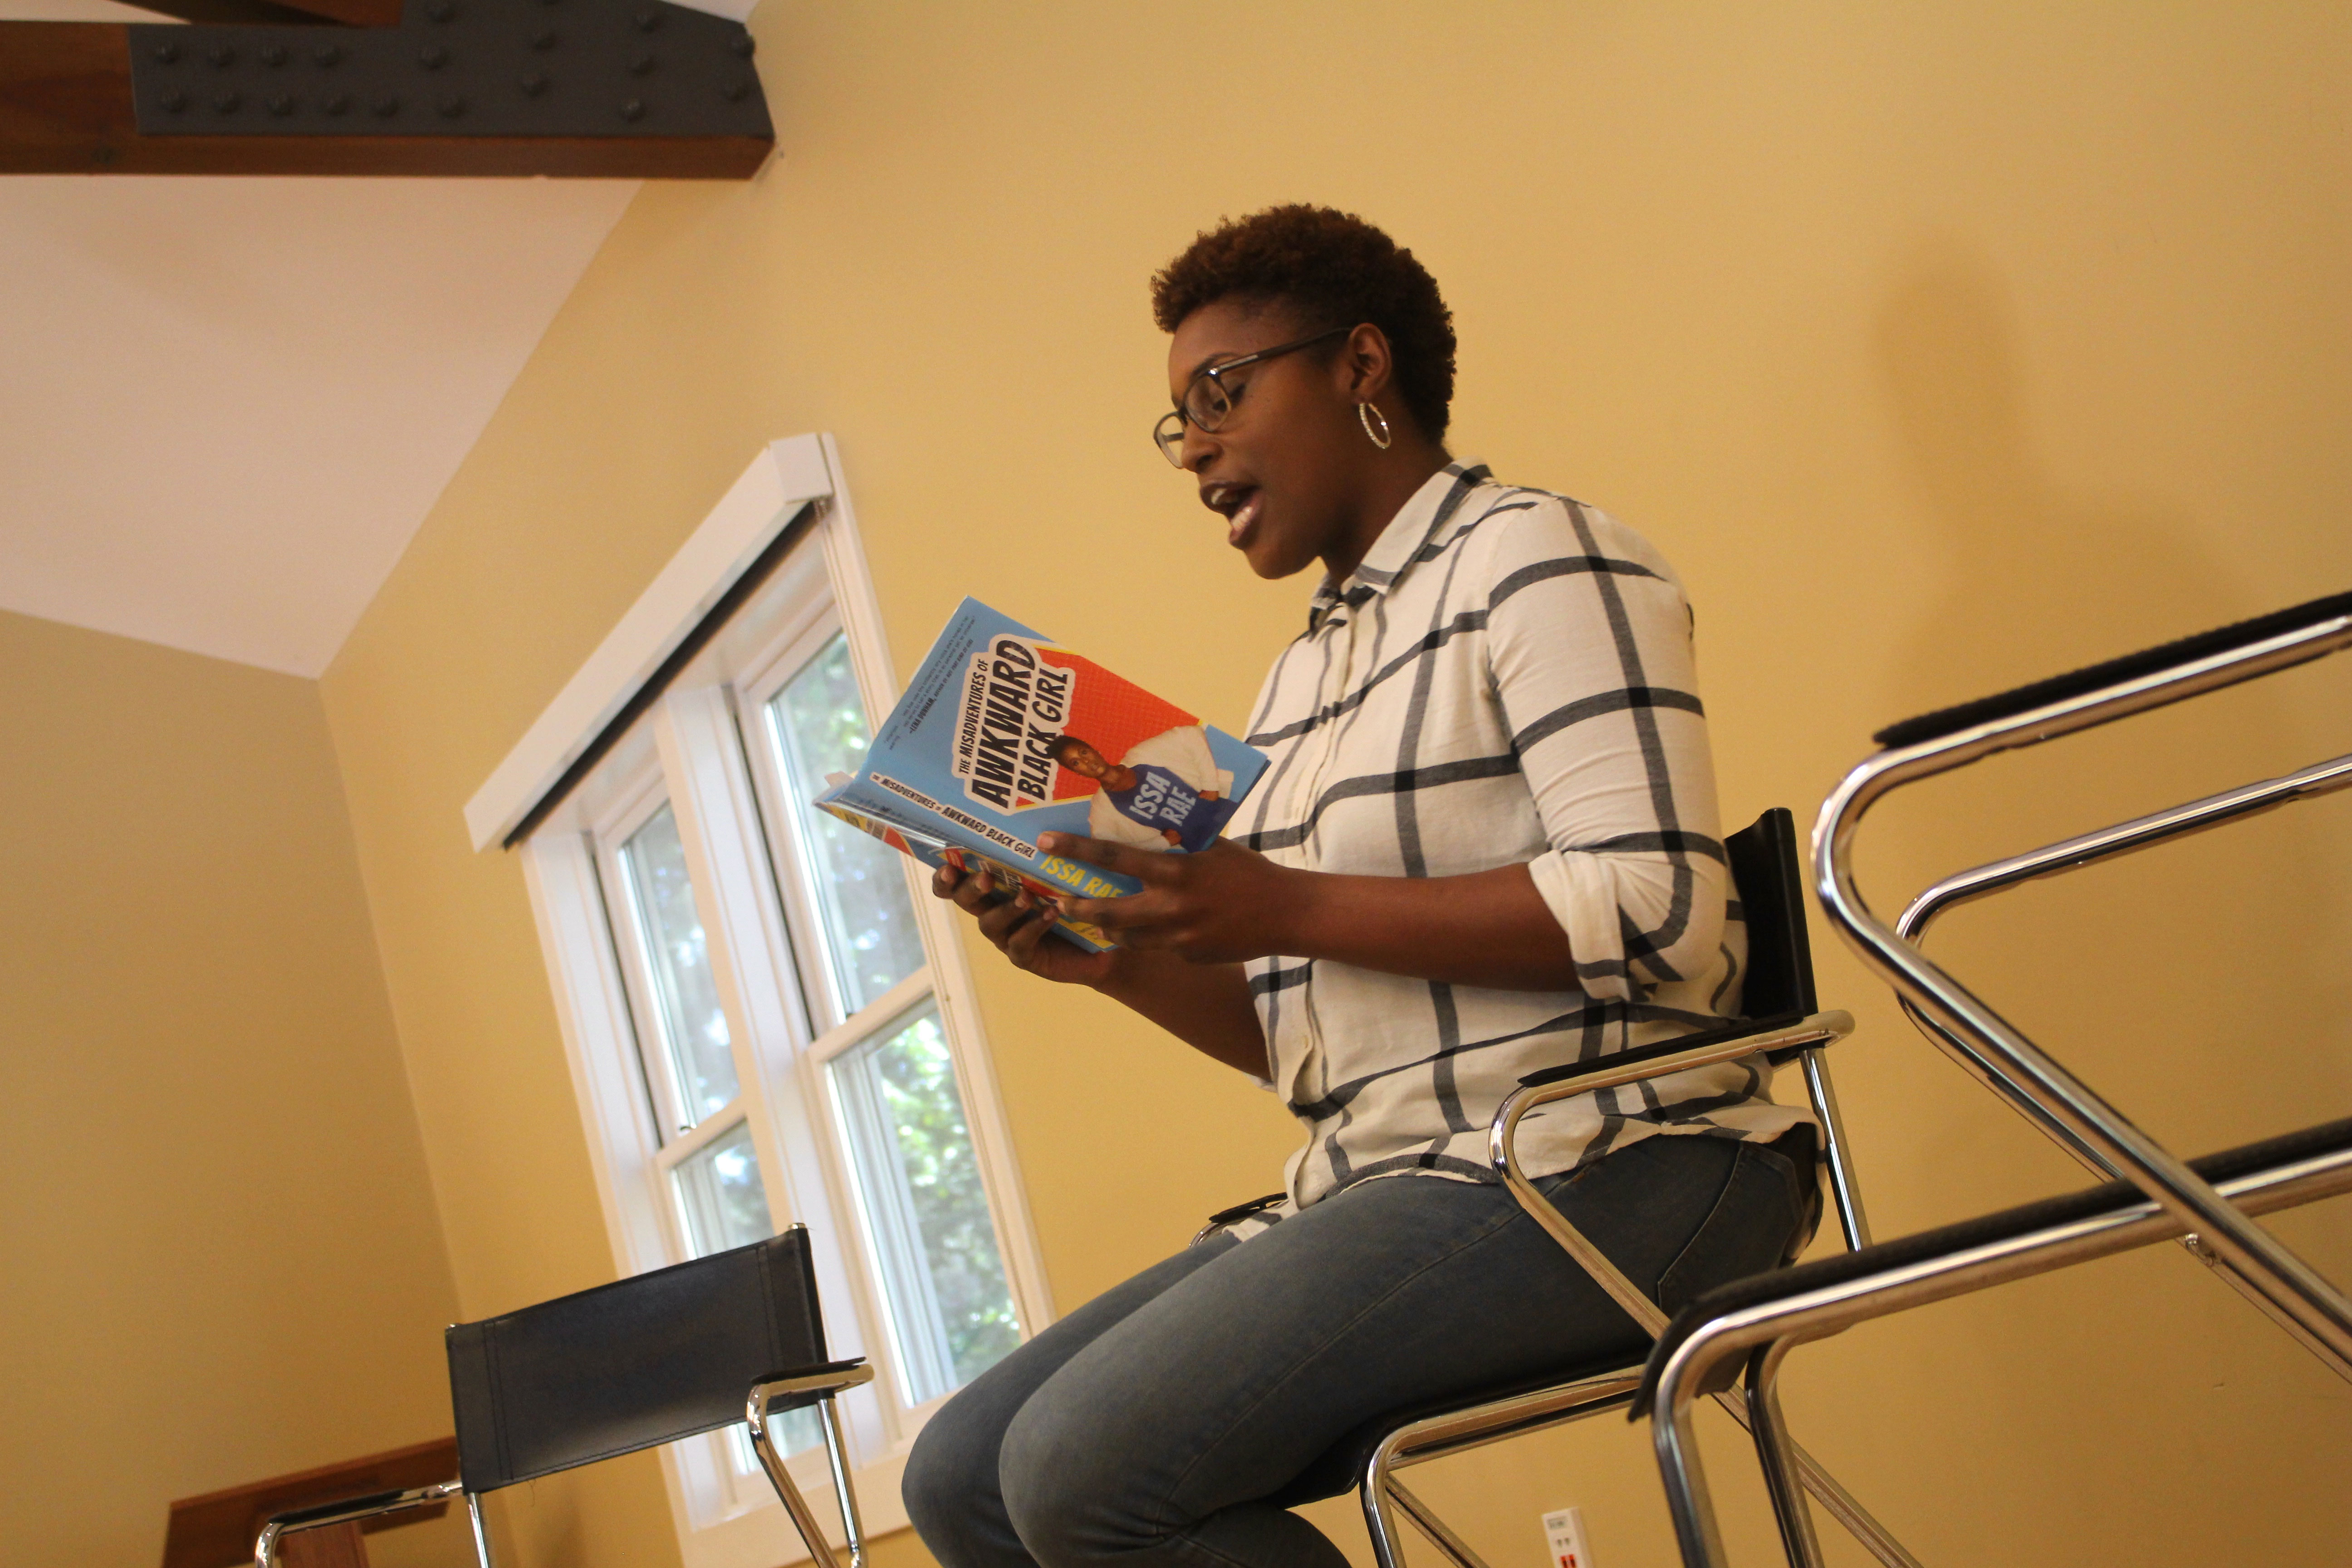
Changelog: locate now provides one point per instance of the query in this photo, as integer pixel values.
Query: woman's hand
(1022, 928)
(1227, 904)
(1221, 905)
(1207, 1006)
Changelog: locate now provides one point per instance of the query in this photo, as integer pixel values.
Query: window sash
(902, 1298)
(704, 749)
(629, 941)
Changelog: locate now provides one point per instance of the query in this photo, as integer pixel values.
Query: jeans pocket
(1746, 1232)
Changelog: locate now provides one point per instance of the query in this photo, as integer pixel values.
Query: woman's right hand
(1022, 929)
(1206, 1006)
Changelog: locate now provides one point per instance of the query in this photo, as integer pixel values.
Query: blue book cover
(1005, 735)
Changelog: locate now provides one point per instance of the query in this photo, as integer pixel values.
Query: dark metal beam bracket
(458, 68)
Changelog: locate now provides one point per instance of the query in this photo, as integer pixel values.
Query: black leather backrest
(626, 1366)
(2148, 662)
(1765, 867)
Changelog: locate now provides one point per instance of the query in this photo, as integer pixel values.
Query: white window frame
(702, 747)
(836, 1028)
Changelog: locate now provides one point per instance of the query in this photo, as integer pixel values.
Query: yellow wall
(1941, 347)
(221, 1258)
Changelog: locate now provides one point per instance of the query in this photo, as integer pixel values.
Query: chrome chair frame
(829, 1383)
(350, 1511)
(1710, 1355)
(2090, 849)
(1798, 1472)
(1798, 1036)
(2315, 1313)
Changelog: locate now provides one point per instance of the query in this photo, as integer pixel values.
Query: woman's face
(1288, 464)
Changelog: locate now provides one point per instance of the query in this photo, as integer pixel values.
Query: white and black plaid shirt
(1506, 680)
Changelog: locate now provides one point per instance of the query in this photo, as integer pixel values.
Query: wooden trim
(330, 1546)
(290, 13)
(66, 108)
(217, 1530)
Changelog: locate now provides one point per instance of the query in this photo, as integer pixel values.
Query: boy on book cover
(1166, 792)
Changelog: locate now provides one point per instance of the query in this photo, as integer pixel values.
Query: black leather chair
(1784, 1023)
(2208, 1205)
(1752, 1324)
(733, 1337)
(2032, 1081)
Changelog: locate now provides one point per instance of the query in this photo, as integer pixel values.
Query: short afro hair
(1333, 269)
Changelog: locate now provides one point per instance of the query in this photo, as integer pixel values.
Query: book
(1005, 735)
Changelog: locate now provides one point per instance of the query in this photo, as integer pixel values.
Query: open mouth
(1237, 504)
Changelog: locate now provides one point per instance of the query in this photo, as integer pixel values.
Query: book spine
(923, 847)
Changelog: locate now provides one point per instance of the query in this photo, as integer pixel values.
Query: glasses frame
(1168, 434)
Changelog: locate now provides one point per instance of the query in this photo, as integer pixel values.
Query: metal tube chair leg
(1674, 1433)
(1379, 1524)
(1459, 1430)
(480, 1528)
(1425, 1520)
(1845, 1187)
(2318, 1315)
(1383, 1497)
(1916, 1272)
(1632, 1067)
(755, 1415)
(1776, 1456)
(837, 1457)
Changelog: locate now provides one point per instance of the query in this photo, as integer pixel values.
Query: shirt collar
(1393, 555)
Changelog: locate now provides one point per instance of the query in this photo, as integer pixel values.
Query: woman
(1487, 845)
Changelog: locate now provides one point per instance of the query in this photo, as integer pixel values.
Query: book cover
(1005, 735)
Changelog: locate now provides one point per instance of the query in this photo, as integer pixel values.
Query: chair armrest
(346, 1510)
(1778, 1036)
(2154, 661)
(1239, 1211)
(1744, 1039)
(789, 1390)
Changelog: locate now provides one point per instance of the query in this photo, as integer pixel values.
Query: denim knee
(1060, 1489)
(949, 1482)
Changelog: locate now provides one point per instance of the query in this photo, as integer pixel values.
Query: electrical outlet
(1564, 1534)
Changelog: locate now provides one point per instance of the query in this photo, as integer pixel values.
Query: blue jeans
(1152, 1425)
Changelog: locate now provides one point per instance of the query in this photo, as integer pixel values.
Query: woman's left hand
(1221, 905)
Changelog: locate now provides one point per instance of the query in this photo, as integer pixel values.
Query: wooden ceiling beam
(291, 13)
(67, 108)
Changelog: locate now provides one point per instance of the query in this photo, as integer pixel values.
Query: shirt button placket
(1310, 781)
(1310, 788)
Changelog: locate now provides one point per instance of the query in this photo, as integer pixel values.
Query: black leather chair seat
(1780, 1285)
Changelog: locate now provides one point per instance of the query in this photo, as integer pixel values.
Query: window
(889, 1075)
(767, 1019)
(707, 1168)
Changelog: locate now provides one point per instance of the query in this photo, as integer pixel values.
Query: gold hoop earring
(1365, 414)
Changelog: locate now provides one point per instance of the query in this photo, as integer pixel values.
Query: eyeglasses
(1208, 401)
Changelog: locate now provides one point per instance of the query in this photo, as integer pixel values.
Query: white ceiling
(225, 405)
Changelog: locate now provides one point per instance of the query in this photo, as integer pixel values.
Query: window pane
(870, 938)
(693, 1028)
(918, 1186)
(719, 1188)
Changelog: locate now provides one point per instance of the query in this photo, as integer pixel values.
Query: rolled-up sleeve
(1589, 638)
